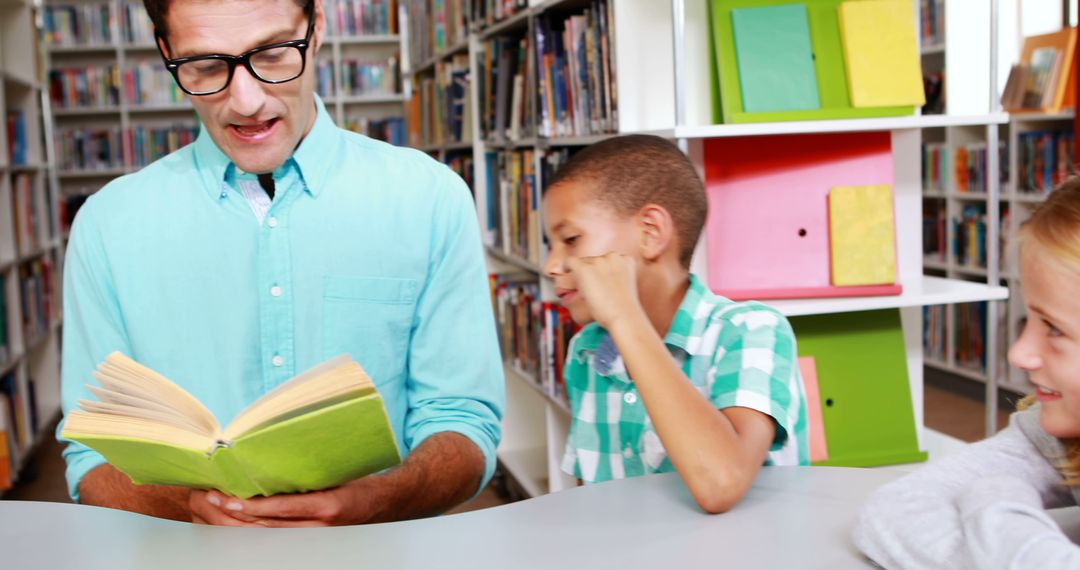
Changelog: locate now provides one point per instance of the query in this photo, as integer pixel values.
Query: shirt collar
(682, 325)
(313, 158)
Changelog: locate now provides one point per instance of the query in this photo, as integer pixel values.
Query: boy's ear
(657, 231)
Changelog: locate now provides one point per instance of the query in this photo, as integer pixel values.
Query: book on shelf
(932, 24)
(81, 87)
(319, 429)
(14, 400)
(1044, 160)
(776, 62)
(16, 131)
(575, 73)
(503, 79)
(880, 53)
(934, 90)
(435, 26)
(5, 331)
(934, 334)
(147, 82)
(135, 25)
(77, 24)
(862, 235)
(557, 329)
(490, 12)
(38, 287)
(969, 236)
(517, 306)
(352, 18)
(387, 129)
(513, 217)
(31, 213)
(935, 167)
(1044, 78)
(969, 164)
(934, 219)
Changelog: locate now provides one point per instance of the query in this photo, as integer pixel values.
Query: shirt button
(272, 222)
(277, 361)
(630, 398)
(275, 291)
(628, 453)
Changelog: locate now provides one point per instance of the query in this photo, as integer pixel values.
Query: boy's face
(257, 125)
(1048, 349)
(580, 226)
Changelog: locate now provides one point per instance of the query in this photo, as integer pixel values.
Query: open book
(322, 428)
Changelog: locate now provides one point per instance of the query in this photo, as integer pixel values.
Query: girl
(984, 507)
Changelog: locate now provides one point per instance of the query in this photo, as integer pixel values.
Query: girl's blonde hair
(1054, 228)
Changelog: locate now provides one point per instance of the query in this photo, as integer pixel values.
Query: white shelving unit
(32, 354)
(662, 63)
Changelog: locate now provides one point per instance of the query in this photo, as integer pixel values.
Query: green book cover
(775, 58)
(323, 428)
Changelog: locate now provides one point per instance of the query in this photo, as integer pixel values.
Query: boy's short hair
(630, 171)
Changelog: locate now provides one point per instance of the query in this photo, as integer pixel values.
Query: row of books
(461, 162)
(576, 73)
(77, 24)
(16, 132)
(534, 335)
(150, 84)
(348, 18)
(970, 338)
(16, 426)
(935, 236)
(513, 217)
(516, 301)
(932, 28)
(441, 113)
(504, 86)
(934, 334)
(39, 289)
(135, 25)
(969, 230)
(435, 26)
(5, 332)
(96, 149)
(389, 129)
(90, 86)
(966, 164)
(30, 206)
(489, 12)
(1044, 160)
(358, 78)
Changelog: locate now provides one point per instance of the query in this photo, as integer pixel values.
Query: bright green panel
(828, 66)
(863, 381)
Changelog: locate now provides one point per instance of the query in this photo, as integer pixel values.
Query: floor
(952, 406)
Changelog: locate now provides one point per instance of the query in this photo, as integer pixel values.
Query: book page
(80, 423)
(334, 381)
(120, 374)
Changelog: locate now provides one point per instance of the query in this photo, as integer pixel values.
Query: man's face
(257, 125)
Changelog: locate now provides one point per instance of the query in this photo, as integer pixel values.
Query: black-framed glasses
(212, 73)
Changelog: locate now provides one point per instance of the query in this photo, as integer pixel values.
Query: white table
(793, 517)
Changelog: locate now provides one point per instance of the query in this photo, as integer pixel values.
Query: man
(274, 242)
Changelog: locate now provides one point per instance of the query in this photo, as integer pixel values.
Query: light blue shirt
(367, 249)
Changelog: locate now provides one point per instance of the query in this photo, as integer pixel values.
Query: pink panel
(768, 228)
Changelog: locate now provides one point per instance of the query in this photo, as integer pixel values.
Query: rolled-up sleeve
(455, 371)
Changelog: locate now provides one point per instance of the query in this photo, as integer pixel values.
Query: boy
(718, 380)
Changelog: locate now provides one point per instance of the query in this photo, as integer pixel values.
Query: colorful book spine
(91, 86)
(388, 129)
(516, 209)
(351, 18)
(135, 25)
(1044, 160)
(518, 316)
(360, 78)
(77, 24)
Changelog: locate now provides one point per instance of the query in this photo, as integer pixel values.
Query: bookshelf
(660, 69)
(31, 253)
(1023, 186)
(133, 113)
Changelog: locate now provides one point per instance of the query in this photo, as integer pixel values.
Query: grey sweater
(983, 507)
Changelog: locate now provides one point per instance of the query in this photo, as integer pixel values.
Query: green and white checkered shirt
(735, 354)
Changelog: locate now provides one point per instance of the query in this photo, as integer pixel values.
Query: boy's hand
(608, 284)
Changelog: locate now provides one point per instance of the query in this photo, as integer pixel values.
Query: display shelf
(933, 291)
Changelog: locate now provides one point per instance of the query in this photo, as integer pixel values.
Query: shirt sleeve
(755, 365)
(928, 518)
(93, 328)
(1005, 526)
(455, 379)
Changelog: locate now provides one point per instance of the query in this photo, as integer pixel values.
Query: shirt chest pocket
(369, 318)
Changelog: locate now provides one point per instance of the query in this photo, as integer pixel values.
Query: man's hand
(608, 283)
(348, 504)
(436, 476)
